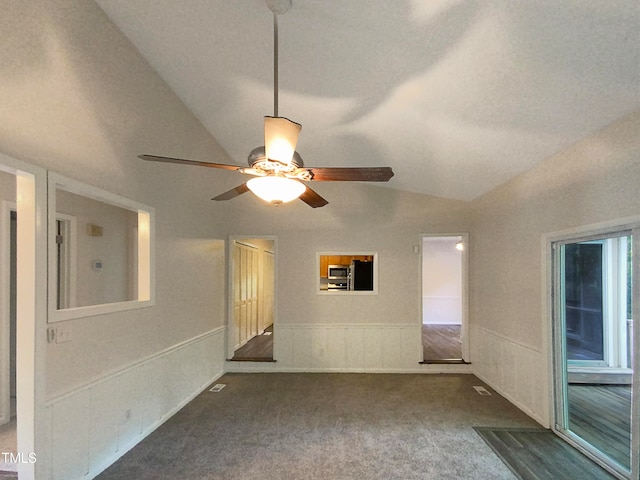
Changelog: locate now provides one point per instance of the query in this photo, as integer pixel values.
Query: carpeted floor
(328, 426)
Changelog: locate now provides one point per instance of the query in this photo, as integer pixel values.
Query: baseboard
(273, 367)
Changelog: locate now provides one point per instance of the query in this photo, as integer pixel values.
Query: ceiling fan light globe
(280, 138)
(276, 190)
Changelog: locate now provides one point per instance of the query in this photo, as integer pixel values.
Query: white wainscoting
(516, 371)
(94, 425)
(347, 348)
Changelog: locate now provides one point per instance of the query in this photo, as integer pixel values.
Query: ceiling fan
(277, 168)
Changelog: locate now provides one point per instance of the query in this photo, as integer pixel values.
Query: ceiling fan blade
(311, 198)
(155, 158)
(351, 174)
(233, 193)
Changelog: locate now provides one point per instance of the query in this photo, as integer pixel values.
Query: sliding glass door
(594, 346)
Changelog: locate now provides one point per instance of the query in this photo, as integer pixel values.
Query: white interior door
(268, 290)
(251, 291)
(245, 293)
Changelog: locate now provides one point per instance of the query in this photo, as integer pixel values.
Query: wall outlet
(63, 335)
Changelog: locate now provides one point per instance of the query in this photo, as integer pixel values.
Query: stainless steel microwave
(338, 272)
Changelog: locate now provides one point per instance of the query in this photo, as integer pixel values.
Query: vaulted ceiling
(457, 96)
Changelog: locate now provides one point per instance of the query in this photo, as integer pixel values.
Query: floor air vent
(481, 390)
(217, 387)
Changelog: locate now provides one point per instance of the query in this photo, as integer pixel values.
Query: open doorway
(444, 298)
(8, 411)
(22, 189)
(252, 289)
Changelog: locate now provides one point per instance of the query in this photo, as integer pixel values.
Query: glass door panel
(584, 301)
(593, 319)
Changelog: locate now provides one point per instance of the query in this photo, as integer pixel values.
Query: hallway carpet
(328, 426)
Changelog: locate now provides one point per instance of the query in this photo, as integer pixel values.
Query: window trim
(145, 250)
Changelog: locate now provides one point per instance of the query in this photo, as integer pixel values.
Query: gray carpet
(538, 454)
(328, 426)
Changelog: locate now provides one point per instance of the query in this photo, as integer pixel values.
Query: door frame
(66, 282)
(557, 377)
(5, 321)
(31, 295)
(230, 324)
(464, 330)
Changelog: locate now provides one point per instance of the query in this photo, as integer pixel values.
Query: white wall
(359, 218)
(7, 187)
(114, 282)
(368, 333)
(595, 180)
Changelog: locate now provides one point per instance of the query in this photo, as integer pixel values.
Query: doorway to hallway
(8, 410)
(23, 190)
(252, 299)
(444, 290)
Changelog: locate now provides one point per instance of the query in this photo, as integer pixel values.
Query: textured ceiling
(458, 96)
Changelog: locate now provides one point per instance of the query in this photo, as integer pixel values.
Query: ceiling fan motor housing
(258, 156)
(279, 6)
